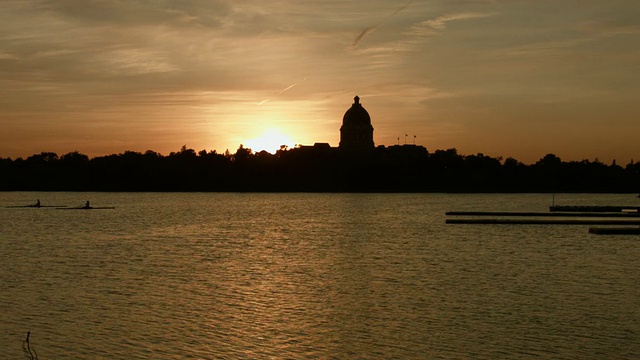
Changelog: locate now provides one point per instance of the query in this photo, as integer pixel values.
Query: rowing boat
(35, 206)
(89, 208)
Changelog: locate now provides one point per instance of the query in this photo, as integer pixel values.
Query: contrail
(287, 88)
(373, 28)
(281, 91)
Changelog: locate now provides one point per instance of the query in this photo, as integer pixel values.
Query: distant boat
(88, 208)
(35, 206)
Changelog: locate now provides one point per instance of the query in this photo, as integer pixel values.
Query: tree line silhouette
(313, 169)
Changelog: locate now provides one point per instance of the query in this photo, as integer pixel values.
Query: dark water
(291, 276)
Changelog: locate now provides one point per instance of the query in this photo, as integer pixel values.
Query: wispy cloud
(361, 35)
(609, 27)
(440, 23)
(544, 48)
(7, 56)
(370, 29)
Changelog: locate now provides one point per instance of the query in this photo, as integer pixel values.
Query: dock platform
(628, 216)
(524, 221)
(595, 208)
(615, 230)
(544, 214)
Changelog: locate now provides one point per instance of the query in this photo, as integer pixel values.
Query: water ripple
(229, 276)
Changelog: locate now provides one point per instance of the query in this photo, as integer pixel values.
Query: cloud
(609, 27)
(370, 29)
(7, 56)
(118, 60)
(135, 13)
(543, 48)
(356, 42)
(440, 23)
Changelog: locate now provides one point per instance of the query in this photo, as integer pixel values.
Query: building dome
(356, 115)
(356, 132)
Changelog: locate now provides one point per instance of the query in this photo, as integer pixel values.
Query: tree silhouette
(318, 168)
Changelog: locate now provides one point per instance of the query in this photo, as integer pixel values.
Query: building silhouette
(356, 132)
(356, 139)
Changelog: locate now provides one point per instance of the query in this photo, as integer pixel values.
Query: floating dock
(615, 231)
(559, 215)
(594, 208)
(522, 221)
(544, 214)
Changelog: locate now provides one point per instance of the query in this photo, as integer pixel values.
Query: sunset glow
(271, 141)
(505, 78)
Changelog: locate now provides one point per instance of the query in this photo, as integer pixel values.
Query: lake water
(312, 276)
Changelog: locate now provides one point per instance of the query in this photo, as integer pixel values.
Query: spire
(356, 100)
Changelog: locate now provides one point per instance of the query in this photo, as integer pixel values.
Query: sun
(271, 141)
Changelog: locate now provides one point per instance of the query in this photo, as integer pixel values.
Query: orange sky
(505, 78)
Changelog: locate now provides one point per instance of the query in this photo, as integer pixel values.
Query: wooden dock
(615, 230)
(615, 216)
(522, 221)
(595, 208)
(544, 214)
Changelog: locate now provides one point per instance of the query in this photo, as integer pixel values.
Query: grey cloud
(142, 12)
(356, 42)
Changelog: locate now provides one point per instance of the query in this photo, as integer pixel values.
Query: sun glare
(270, 141)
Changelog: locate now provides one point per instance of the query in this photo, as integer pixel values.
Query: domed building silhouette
(356, 132)
(356, 138)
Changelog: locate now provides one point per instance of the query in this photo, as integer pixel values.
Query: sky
(509, 78)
